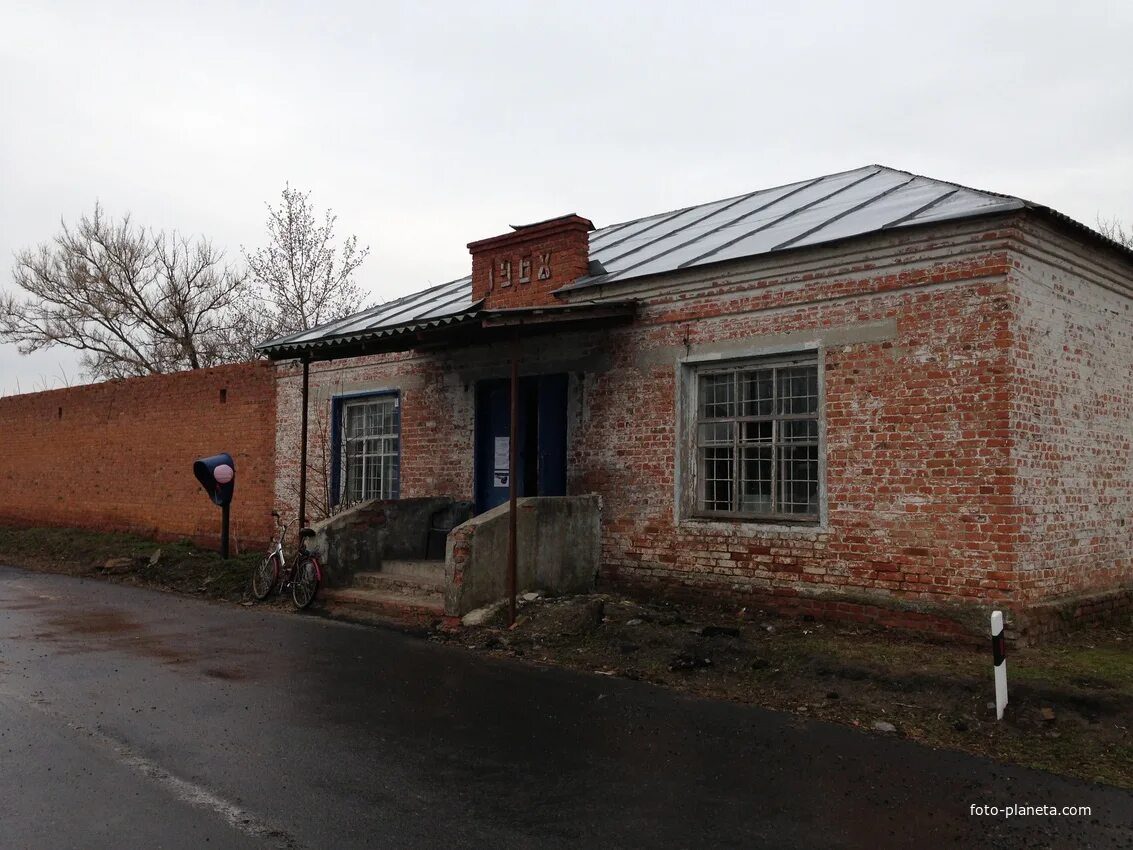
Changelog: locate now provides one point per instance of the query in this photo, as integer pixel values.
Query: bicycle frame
(277, 545)
(287, 570)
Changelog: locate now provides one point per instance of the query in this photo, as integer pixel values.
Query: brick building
(871, 394)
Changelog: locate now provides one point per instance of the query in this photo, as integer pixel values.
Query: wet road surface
(130, 718)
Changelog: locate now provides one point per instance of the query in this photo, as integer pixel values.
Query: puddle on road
(80, 632)
(228, 675)
(105, 622)
(24, 606)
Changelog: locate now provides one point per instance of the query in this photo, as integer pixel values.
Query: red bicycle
(302, 576)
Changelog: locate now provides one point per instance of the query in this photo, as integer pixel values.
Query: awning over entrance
(439, 323)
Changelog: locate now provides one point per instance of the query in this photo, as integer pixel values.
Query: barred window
(757, 441)
(370, 449)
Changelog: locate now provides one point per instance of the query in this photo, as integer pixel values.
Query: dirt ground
(1071, 708)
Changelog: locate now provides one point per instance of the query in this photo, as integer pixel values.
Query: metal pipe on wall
(513, 484)
(303, 447)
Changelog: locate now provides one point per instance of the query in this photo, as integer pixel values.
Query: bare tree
(302, 279)
(1112, 228)
(133, 301)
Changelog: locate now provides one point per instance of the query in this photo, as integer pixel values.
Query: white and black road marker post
(999, 654)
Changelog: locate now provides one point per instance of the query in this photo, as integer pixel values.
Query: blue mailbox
(217, 475)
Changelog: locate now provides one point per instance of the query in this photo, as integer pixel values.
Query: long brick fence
(118, 456)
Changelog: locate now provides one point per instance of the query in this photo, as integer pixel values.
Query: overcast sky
(427, 125)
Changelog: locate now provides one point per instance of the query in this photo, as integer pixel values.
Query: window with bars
(757, 441)
(370, 454)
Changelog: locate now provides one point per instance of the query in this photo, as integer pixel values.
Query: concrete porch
(421, 562)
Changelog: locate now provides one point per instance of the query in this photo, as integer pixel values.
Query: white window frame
(382, 449)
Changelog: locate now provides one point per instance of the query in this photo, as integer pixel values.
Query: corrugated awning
(471, 327)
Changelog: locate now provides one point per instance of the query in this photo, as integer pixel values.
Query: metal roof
(810, 212)
(447, 303)
(866, 200)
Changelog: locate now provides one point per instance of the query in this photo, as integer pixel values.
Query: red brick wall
(118, 456)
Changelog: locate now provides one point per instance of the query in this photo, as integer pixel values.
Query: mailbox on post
(217, 475)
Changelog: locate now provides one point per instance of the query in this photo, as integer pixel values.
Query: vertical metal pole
(513, 483)
(224, 531)
(303, 448)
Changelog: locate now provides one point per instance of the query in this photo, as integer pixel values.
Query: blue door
(541, 462)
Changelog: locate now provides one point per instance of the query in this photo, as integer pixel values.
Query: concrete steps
(402, 593)
(425, 573)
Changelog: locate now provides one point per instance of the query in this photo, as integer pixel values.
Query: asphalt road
(130, 718)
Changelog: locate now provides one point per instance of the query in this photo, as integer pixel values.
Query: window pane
(757, 389)
(798, 389)
(353, 473)
(372, 483)
(717, 467)
(756, 432)
(798, 480)
(717, 395)
(355, 421)
(755, 481)
(799, 430)
(716, 433)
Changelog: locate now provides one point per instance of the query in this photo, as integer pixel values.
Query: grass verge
(180, 566)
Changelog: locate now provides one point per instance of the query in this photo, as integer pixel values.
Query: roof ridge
(963, 186)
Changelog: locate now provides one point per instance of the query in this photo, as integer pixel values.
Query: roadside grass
(179, 566)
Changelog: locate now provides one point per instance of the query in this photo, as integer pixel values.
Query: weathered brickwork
(958, 427)
(917, 461)
(436, 429)
(1039, 620)
(1072, 417)
(118, 456)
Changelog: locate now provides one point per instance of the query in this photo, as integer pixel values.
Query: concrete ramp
(558, 550)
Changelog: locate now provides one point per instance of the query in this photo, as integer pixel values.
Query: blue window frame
(366, 447)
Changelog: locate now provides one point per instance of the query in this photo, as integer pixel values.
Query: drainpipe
(513, 484)
(303, 447)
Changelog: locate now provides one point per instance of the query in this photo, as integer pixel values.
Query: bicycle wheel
(263, 579)
(305, 583)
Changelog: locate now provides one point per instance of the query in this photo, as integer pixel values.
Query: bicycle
(303, 576)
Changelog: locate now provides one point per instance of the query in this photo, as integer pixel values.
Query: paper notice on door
(501, 462)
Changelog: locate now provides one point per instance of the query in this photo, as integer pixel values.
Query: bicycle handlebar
(283, 526)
